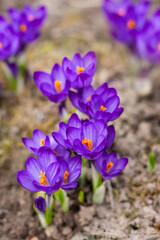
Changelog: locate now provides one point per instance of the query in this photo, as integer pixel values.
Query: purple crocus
(27, 23)
(40, 204)
(42, 174)
(87, 139)
(125, 19)
(80, 70)
(60, 136)
(110, 166)
(102, 103)
(9, 41)
(39, 139)
(70, 172)
(148, 40)
(54, 86)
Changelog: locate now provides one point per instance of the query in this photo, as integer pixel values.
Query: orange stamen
(43, 181)
(42, 142)
(55, 153)
(121, 12)
(88, 144)
(109, 166)
(88, 99)
(131, 24)
(30, 18)
(102, 108)
(158, 47)
(79, 70)
(57, 85)
(23, 28)
(1, 45)
(66, 174)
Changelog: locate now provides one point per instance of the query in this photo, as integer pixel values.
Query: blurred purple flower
(125, 19)
(9, 41)
(80, 70)
(110, 166)
(27, 23)
(42, 174)
(54, 86)
(102, 103)
(148, 40)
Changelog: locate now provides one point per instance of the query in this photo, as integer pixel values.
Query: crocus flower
(148, 40)
(60, 136)
(87, 139)
(110, 166)
(27, 23)
(125, 19)
(54, 86)
(80, 70)
(9, 41)
(70, 172)
(42, 174)
(102, 103)
(40, 204)
(39, 139)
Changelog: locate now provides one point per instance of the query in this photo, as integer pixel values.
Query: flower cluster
(23, 28)
(130, 25)
(60, 156)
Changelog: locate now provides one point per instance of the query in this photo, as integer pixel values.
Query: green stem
(63, 199)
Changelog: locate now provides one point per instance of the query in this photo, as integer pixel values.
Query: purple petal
(46, 157)
(26, 181)
(74, 163)
(41, 77)
(53, 173)
(34, 168)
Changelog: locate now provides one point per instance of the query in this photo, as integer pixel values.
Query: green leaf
(151, 162)
(81, 197)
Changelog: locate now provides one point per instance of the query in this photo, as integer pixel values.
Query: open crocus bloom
(102, 103)
(70, 172)
(80, 70)
(39, 139)
(42, 174)
(54, 86)
(110, 166)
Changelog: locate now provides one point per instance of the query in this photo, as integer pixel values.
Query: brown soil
(77, 26)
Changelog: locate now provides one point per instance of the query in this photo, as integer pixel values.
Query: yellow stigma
(66, 174)
(102, 108)
(42, 142)
(121, 12)
(109, 166)
(88, 144)
(88, 99)
(43, 181)
(1, 45)
(30, 18)
(79, 70)
(57, 85)
(23, 28)
(131, 24)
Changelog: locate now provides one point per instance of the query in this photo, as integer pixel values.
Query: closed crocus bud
(40, 204)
